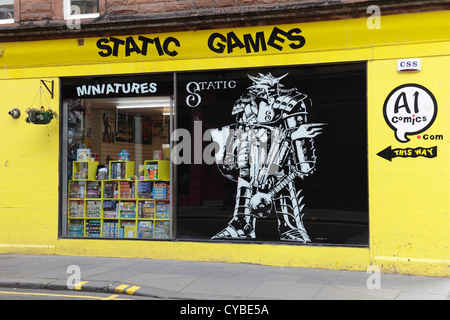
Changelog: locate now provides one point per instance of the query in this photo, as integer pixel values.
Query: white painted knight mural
(268, 151)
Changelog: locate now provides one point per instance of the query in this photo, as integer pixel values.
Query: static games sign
(217, 42)
(410, 109)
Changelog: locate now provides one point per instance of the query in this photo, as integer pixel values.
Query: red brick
(179, 5)
(151, 7)
(203, 3)
(126, 9)
(224, 3)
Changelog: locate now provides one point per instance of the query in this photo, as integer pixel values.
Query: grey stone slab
(421, 296)
(162, 281)
(286, 291)
(223, 287)
(332, 292)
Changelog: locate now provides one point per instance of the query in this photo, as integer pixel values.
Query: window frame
(67, 12)
(13, 20)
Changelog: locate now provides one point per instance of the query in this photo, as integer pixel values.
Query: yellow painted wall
(29, 170)
(408, 198)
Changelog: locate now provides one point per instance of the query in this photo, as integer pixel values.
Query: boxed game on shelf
(161, 190)
(145, 229)
(145, 189)
(110, 209)
(121, 170)
(93, 208)
(162, 210)
(162, 229)
(76, 228)
(110, 229)
(93, 189)
(110, 190)
(127, 209)
(76, 189)
(93, 228)
(151, 171)
(157, 170)
(126, 189)
(129, 229)
(83, 154)
(76, 208)
(147, 209)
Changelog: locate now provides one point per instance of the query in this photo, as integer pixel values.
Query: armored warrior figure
(268, 148)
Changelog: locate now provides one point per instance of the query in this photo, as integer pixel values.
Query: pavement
(193, 280)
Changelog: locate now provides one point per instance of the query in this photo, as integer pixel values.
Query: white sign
(409, 109)
(408, 65)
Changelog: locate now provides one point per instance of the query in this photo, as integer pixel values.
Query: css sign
(408, 65)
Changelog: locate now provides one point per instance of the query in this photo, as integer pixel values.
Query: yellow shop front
(320, 144)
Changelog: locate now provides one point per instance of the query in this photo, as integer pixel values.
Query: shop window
(257, 155)
(116, 157)
(81, 9)
(290, 151)
(6, 11)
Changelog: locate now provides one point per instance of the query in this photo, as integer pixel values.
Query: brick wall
(44, 18)
(50, 11)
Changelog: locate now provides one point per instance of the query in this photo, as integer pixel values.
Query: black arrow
(390, 153)
(386, 154)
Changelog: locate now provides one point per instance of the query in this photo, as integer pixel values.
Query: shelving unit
(121, 170)
(84, 170)
(121, 208)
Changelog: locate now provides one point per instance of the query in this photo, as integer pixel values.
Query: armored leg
(242, 225)
(288, 207)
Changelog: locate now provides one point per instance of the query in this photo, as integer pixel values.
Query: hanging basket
(40, 116)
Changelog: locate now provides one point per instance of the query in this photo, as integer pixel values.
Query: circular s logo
(409, 109)
(193, 99)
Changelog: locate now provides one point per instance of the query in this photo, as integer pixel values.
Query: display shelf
(121, 208)
(121, 170)
(157, 170)
(84, 170)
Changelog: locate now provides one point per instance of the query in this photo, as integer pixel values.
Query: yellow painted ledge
(413, 266)
(344, 258)
(14, 248)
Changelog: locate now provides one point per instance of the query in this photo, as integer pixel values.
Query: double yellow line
(123, 288)
(130, 290)
(111, 297)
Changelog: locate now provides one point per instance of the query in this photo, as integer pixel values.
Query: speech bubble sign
(409, 109)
